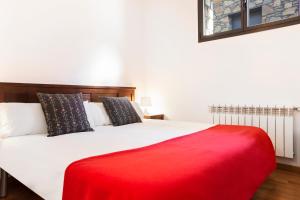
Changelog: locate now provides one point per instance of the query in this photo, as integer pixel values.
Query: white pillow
(99, 114)
(89, 114)
(17, 119)
(138, 109)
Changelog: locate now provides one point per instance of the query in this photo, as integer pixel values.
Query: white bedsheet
(39, 162)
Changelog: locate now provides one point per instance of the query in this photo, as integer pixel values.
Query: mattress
(39, 162)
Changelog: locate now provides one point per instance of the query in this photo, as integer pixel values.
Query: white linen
(99, 114)
(89, 114)
(39, 162)
(138, 109)
(17, 119)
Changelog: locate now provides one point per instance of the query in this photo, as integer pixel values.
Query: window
(235, 20)
(255, 18)
(227, 18)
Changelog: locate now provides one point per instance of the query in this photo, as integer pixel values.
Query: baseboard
(288, 167)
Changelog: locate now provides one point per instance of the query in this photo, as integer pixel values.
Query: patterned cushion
(120, 111)
(64, 113)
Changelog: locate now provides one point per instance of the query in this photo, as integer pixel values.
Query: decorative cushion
(64, 113)
(120, 111)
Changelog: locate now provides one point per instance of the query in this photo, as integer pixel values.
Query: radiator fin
(277, 122)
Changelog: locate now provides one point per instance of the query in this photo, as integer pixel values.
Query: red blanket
(220, 163)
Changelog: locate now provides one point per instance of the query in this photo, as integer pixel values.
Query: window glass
(255, 15)
(221, 15)
(266, 11)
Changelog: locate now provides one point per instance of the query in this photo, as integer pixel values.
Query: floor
(281, 185)
(17, 191)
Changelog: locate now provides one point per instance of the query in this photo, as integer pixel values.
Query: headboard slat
(26, 92)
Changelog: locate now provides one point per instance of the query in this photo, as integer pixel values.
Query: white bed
(42, 160)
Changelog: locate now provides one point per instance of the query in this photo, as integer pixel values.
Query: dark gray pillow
(64, 113)
(120, 111)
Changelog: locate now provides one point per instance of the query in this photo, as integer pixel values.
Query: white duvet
(39, 162)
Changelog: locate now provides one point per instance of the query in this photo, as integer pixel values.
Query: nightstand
(160, 116)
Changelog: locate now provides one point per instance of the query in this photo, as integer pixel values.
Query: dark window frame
(244, 28)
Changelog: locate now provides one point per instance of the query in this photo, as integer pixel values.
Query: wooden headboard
(26, 92)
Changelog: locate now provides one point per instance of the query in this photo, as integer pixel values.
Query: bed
(40, 162)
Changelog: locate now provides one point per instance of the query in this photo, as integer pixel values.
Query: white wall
(184, 77)
(69, 41)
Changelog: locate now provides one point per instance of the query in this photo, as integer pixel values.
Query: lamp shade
(146, 102)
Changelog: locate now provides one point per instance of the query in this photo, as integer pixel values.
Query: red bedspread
(220, 163)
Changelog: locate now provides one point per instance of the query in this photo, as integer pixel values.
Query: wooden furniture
(26, 93)
(3, 183)
(159, 116)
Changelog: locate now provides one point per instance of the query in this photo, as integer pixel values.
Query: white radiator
(277, 122)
